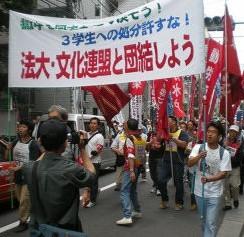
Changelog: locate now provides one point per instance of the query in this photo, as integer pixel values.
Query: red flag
(160, 94)
(137, 88)
(233, 66)
(177, 96)
(109, 98)
(242, 86)
(214, 66)
(192, 96)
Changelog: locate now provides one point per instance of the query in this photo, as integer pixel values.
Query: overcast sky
(236, 9)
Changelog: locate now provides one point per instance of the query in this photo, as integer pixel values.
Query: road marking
(15, 224)
(9, 227)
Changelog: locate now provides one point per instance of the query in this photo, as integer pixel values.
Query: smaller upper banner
(162, 39)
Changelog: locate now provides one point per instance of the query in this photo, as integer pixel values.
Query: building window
(97, 10)
(94, 111)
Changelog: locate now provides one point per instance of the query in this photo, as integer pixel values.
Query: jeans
(209, 209)
(128, 194)
(164, 175)
(94, 187)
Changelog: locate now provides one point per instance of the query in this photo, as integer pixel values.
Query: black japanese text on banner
(162, 39)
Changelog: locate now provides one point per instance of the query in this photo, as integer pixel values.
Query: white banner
(136, 108)
(162, 39)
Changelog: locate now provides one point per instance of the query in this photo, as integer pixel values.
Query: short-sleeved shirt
(22, 154)
(213, 166)
(96, 143)
(59, 180)
(178, 154)
(119, 141)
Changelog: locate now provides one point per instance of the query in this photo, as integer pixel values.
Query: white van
(79, 122)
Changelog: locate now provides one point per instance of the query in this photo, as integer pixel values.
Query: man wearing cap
(232, 180)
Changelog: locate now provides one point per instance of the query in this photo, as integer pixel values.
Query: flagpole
(203, 162)
(226, 71)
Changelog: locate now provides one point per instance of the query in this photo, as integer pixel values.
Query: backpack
(221, 150)
(140, 150)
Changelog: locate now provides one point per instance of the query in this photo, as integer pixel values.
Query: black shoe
(21, 227)
(226, 208)
(117, 189)
(236, 204)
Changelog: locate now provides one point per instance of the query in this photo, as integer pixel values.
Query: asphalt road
(99, 221)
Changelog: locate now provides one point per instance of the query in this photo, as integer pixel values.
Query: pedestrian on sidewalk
(212, 162)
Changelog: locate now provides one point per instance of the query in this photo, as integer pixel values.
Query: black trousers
(94, 188)
(153, 163)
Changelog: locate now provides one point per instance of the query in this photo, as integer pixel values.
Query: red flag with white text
(161, 89)
(177, 96)
(214, 66)
(137, 88)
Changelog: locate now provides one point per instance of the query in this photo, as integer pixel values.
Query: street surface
(100, 220)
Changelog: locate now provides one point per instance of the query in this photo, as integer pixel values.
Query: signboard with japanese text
(162, 39)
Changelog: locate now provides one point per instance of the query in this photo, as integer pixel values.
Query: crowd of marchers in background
(48, 165)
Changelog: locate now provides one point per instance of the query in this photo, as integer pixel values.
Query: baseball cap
(234, 128)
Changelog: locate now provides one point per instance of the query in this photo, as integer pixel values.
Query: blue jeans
(128, 194)
(209, 209)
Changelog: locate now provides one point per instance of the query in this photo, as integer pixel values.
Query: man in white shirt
(211, 163)
(94, 148)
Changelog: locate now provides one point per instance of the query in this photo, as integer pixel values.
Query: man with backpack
(211, 162)
(134, 152)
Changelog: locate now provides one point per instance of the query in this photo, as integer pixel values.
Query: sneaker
(136, 214)
(178, 207)
(153, 190)
(90, 204)
(236, 204)
(193, 207)
(163, 205)
(158, 193)
(226, 208)
(124, 221)
(21, 227)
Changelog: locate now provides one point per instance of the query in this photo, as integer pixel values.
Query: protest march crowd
(47, 169)
(162, 42)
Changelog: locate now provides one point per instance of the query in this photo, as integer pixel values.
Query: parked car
(79, 122)
(7, 185)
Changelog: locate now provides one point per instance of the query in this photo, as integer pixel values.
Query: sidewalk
(233, 221)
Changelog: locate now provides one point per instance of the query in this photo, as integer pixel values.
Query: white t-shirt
(214, 165)
(95, 144)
